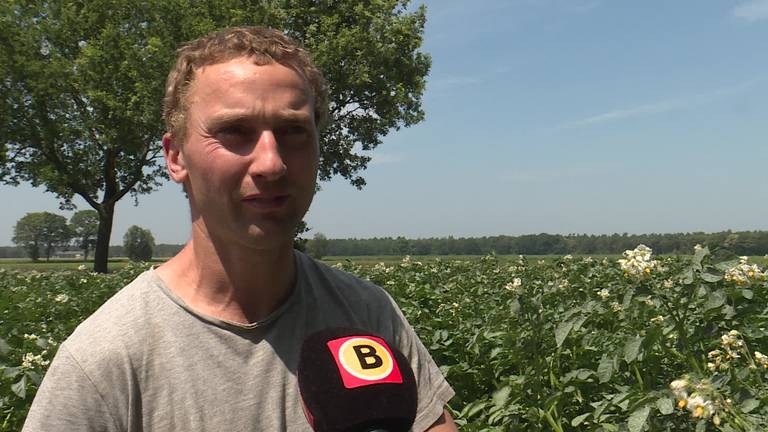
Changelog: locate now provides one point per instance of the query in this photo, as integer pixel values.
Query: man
(209, 341)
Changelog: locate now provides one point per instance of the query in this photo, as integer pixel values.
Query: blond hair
(265, 46)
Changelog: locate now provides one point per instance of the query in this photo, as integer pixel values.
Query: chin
(261, 238)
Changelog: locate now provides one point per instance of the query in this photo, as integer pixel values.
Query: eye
(234, 131)
(292, 130)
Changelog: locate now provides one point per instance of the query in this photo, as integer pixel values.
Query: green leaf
(701, 426)
(709, 277)
(514, 307)
(628, 295)
(20, 387)
(716, 299)
(4, 347)
(725, 265)
(11, 372)
(699, 255)
(561, 332)
(34, 377)
(638, 418)
(473, 408)
(578, 322)
(632, 348)
(605, 369)
(747, 294)
(666, 406)
(501, 396)
(579, 419)
(749, 404)
(687, 276)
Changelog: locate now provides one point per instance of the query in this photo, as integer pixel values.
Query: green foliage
(318, 246)
(81, 106)
(299, 242)
(41, 229)
(590, 345)
(39, 310)
(565, 344)
(84, 225)
(138, 243)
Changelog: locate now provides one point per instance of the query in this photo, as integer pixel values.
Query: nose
(267, 162)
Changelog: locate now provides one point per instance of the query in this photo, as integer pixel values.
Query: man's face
(249, 161)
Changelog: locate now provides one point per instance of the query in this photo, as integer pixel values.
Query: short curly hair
(264, 45)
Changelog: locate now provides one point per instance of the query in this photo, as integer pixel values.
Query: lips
(266, 202)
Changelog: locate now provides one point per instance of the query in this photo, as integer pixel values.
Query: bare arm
(444, 424)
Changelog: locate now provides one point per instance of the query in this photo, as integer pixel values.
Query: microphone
(353, 381)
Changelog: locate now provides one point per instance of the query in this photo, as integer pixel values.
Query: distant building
(68, 254)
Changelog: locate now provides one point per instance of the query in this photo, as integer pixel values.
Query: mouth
(266, 202)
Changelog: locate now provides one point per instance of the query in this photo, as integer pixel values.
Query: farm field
(633, 343)
(61, 264)
(364, 260)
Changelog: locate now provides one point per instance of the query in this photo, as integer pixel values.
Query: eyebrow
(283, 116)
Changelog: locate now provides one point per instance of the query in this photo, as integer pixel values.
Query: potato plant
(636, 344)
(594, 345)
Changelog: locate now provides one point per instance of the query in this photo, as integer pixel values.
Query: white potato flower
(514, 285)
(29, 361)
(744, 273)
(761, 359)
(699, 407)
(638, 262)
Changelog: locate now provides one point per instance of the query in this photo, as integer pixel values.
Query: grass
(61, 264)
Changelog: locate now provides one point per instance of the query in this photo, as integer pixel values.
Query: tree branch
(49, 152)
(82, 106)
(136, 175)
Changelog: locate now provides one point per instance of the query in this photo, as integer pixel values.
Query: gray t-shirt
(146, 362)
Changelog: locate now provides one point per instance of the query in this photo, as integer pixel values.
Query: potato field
(567, 344)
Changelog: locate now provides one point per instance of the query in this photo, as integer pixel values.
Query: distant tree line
(45, 234)
(117, 251)
(742, 243)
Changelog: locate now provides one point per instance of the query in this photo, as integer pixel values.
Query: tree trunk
(101, 253)
(34, 251)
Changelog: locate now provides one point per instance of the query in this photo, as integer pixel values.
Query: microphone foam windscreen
(353, 381)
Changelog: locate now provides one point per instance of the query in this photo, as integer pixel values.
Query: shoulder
(117, 324)
(339, 298)
(320, 274)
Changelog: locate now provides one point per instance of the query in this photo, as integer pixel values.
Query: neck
(233, 282)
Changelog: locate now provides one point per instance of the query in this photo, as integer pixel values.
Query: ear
(174, 158)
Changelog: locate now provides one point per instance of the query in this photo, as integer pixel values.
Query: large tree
(41, 229)
(80, 102)
(84, 225)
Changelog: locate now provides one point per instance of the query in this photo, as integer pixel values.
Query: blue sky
(559, 116)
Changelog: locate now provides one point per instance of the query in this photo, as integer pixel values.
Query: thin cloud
(661, 106)
(654, 108)
(754, 10)
(466, 80)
